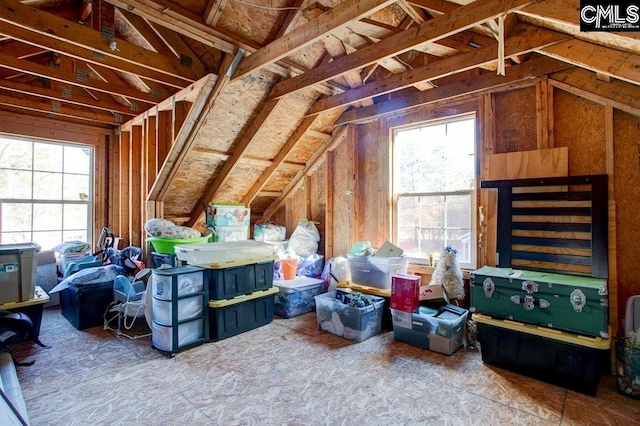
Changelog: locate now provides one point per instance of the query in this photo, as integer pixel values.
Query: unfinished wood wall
(599, 138)
(52, 130)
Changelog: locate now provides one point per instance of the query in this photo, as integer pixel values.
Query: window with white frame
(45, 192)
(434, 189)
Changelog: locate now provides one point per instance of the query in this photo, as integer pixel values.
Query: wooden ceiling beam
(144, 30)
(458, 20)
(488, 81)
(309, 33)
(180, 20)
(601, 59)
(47, 30)
(279, 159)
(65, 95)
(57, 108)
(526, 40)
(239, 150)
(621, 95)
(183, 139)
(292, 17)
(180, 48)
(317, 158)
(175, 18)
(77, 79)
(213, 11)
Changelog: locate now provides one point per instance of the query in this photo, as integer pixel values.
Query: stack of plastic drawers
(241, 296)
(180, 314)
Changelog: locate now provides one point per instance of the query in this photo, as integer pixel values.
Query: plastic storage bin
(296, 297)
(168, 245)
(351, 323)
(18, 266)
(217, 254)
(387, 323)
(84, 306)
(440, 330)
(557, 357)
(232, 281)
(231, 317)
(180, 317)
(375, 271)
(160, 259)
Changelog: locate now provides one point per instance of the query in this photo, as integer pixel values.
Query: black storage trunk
(560, 359)
(84, 306)
(231, 317)
(232, 281)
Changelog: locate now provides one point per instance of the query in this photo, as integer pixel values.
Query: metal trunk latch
(578, 300)
(529, 302)
(530, 286)
(489, 287)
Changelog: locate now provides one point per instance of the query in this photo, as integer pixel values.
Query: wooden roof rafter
(458, 20)
(526, 40)
(49, 31)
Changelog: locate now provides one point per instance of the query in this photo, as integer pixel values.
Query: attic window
(45, 192)
(434, 189)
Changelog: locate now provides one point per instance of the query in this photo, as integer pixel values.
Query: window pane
(75, 217)
(77, 235)
(15, 154)
(77, 160)
(47, 186)
(429, 223)
(76, 187)
(15, 237)
(47, 240)
(47, 217)
(47, 157)
(16, 217)
(15, 184)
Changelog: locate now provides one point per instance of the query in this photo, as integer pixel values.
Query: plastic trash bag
(335, 270)
(97, 274)
(304, 239)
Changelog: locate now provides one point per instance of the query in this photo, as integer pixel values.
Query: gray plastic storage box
(18, 266)
(350, 322)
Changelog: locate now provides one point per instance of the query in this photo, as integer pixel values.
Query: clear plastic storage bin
(375, 271)
(347, 321)
(218, 253)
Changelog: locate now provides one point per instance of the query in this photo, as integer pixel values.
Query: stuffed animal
(449, 275)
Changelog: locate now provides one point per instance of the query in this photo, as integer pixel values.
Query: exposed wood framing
(278, 160)
(443, 26)
(238, 152)
(315, 161)
(310, 32)
(528, 40)
(488, 81)
(46, 30)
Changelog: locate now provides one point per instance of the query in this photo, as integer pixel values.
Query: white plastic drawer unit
(188, 307)
(188, 333)
(183, 281)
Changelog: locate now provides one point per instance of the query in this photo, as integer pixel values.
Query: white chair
(128, 305)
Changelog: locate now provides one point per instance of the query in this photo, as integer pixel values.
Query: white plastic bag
(304, 239)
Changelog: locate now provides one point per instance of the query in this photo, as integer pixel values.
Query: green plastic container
(166, 245)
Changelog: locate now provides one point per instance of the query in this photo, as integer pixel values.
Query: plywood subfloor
(287, 372)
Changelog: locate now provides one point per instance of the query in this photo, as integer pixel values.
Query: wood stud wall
(346, 193)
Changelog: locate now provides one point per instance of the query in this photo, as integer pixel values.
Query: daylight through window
(45, 192)
(434, 189)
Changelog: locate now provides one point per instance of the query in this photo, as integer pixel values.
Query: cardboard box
(405, 290)
(433, 292)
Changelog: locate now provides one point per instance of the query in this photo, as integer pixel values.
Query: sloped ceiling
(272, 81)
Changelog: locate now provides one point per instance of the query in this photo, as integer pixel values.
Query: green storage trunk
(573, 303)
